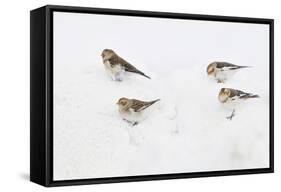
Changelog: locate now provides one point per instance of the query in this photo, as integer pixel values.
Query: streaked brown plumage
(116, 64)
(131, 109)
(230, 95)
(221, 71)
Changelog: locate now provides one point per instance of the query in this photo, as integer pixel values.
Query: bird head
(226, 91)
(211, 69)
(107, 53)
(123, 102)
(224, 94)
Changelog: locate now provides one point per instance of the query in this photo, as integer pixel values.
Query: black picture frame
(41, 94)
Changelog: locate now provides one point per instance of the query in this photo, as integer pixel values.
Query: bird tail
(248, 96)
(152, 102)
(149, 103)
(145, 75)
(138, 72)
(141, 73)
(254, 96)
(239, 67)
(245, 66)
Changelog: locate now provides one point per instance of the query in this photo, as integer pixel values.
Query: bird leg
(127, 121)
(231, 116)
(130, 122)
(116, 78)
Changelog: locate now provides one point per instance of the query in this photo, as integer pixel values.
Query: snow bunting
(116, 66)
(232, 97)
(221, 71)
(227, 95)
(132, 110)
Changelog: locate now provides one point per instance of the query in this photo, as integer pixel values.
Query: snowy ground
(187, 130)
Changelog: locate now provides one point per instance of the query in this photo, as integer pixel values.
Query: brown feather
(138, 105)
(116, 60)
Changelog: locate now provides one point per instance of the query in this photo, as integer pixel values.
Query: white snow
(187, 130)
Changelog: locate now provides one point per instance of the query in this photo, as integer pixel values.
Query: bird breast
(223, 98)
(225, 74)
(114, 69)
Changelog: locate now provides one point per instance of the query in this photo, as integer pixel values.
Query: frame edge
(45, 145)
(37, 96)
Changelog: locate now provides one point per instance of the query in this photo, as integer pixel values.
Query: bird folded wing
(225, 65)
(238, 93)
(130, 68)
(138, 106)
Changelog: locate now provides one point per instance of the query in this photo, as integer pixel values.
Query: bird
(221, 71)
(116, 66)
(227, 95)
(234, 96)
(131, 110)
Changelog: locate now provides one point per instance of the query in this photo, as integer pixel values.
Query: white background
(14, 98)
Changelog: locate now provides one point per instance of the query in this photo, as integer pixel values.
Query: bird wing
(249, 95)
(234, 93)
(120, 61)
(228, 66)
(129, 67)
(116, 60)
(138, 105)
(240, 94)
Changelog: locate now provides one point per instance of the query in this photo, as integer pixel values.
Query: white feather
(224, 74)
(115, 72)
